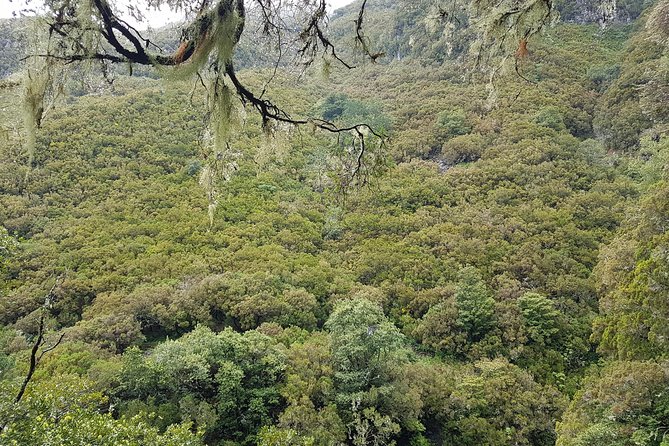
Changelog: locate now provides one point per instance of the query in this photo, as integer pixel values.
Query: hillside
(12, 45)
(500, 280)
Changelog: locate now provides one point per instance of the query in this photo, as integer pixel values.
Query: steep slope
(450, 302)
(12, 45)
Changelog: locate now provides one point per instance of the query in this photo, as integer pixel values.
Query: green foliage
(224, 383)
(334, 107)
(624, 403)
(6, 360)
(350, 383)
(8, 245)
(463, 149)
(13, 35)
(631, 273)
(364, 345)
(453, 123)
(475, 305)
(273, 436)
(347, 111)
(551, 117)
(540, 317)
(311, 414)
(69, 412)
(438, 328)
(500, 404)
(411, 30)
(301, 316)
(601, 77)
(585, 11)
(631, 105)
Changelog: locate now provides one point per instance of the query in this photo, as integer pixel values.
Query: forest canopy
(94, 31)
(177, 268)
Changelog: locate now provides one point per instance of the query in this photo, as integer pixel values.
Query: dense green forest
(501, 276)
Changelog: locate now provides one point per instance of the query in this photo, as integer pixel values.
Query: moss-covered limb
(209, 41)
(505, 27)
(43, 81)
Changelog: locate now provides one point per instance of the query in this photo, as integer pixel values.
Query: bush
(463, 149)
(602, 76)
(552, 118)
(452, 123)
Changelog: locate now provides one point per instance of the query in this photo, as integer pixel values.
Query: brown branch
(34, 359)
(53, 346)
(80, 57)
(269, 111)
(361, 39)
(124, 44)
(520, 75)
(110, 23)
(312, 36)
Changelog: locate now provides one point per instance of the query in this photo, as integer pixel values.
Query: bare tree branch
(360, 39)
(52, 347)
(39, 340)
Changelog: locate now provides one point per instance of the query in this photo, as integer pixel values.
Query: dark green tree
(540, 317)
(475, 304)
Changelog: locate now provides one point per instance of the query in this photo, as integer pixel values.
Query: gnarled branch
(39, 341)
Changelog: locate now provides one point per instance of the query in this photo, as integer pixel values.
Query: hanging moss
(33, 107)
(208, 182)
(221, 113)
(214, 35)
(85, 13)
(43, 83)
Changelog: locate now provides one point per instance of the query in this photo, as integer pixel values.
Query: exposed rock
(603, 12)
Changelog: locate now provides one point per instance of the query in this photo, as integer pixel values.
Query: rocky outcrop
(601, 11)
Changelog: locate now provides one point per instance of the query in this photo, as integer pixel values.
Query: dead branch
(39, 341)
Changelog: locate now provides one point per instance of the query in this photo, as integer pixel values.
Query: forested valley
(494, 270)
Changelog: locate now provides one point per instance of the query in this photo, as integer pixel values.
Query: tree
(453, 123)
(69, 411)
(623, 403)
(309, 390)
(39, 343)
(632, 275)
(84, 31)
(540, 317)
(500, 404)
(226, 383)
(475, 304)
(368, 359)
(364, 342)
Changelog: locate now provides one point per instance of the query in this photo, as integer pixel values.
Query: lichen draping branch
(360, 39)
(93, 31)
(207, 43)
